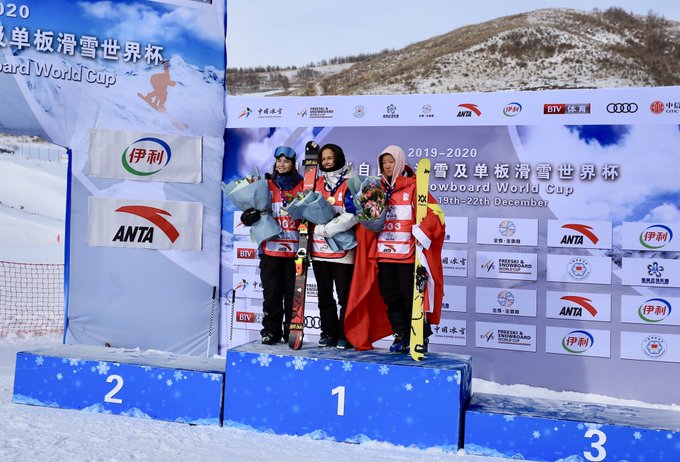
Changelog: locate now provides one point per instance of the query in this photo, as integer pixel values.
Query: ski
(417, 340)
(297, 321)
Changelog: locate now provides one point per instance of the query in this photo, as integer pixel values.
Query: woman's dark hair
(339, 157)
(293, 172)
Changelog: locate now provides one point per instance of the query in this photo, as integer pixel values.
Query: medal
(331, 200)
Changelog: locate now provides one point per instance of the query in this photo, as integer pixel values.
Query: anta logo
(577, 239)
(285, 248)
(390, 249)
(468, 109)
(580, 304)
(577, 341)
(145, 233)
(248, 254)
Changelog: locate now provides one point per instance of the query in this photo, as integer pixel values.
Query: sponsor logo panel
(650, 272)
(450, 332)
(158, 225)
(467, 110)
(455, 298)
(506, 265)
(580, 234)
(239, 228)
(566, 108)
(512, 109)
(505, 301)
(518, 337)
(646, 346)
(622, 108)
(640, 309)
(456, 230)
(245, 253)
(507, 231)
(455, 263)
(145, 156)
(578, 341)
(660, 237)
(579, 269)
(577, 305)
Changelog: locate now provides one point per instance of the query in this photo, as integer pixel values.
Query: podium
(152, 385)
(348, 395)
(549, 430)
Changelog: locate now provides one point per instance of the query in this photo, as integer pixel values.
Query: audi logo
(622, 108)
(313, 322)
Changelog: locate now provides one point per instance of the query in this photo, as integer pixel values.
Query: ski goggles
(285, 151)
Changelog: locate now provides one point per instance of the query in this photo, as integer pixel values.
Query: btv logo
(145, 233)
(571, 108)
(248, 254)
(245, 316)
(585, 230)
(581, 304)
(468, 110)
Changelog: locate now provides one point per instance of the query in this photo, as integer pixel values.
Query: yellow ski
(417, 340)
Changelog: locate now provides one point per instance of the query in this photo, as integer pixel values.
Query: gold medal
(331, 200)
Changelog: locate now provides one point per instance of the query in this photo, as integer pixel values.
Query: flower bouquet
(370, 204)
(312, 207)
(252, 193)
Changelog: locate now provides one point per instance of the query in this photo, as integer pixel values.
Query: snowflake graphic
(73, 361)
(168, 382)
(178, 375)
(437, 371)
(637, 435)
(103, 368)
(384, 370)
(39, 360)
(264, 360)
(327, 368)
(458, 377)
(536, 434)
(253, 361)
(580, 426)
(593, 426)
(408, 387)
(299, 363)
(59, 376)
(215, 377)
(346, 366)
(669, 436)
(509, 418)
(146, 368)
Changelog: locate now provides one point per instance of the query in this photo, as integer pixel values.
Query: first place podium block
(348, 395)
(152, 385)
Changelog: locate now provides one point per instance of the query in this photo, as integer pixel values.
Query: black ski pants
(326, 273)
(277, 275)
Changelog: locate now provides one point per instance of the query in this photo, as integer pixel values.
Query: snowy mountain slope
(543, 49)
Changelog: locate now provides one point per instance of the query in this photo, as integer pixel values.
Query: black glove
(312, 149)
(250, 216)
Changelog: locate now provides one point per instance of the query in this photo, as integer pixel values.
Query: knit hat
(339, 157)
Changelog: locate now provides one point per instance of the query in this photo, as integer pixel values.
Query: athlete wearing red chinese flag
(381, 295)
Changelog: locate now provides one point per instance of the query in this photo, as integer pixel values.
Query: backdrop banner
(138, 67)
(561, 209)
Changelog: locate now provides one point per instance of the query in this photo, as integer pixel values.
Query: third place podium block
(348, 395)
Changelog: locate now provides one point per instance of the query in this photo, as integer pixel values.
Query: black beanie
(339, 157)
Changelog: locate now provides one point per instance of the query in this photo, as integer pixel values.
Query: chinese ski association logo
(146, 156)
(578, 268)
(655, 310)
(145, 233)
(656, 236)
(577, 341)
(654, 346)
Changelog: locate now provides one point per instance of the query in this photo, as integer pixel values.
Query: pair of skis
(420, 276)
(297, 321)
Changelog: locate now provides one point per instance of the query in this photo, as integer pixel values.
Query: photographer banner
(562, 221)
(147, 72)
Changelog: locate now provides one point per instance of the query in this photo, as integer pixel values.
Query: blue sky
(194, 33)
(296, 32)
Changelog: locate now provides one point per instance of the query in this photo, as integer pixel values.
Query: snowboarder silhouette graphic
(160, 83)
(159, 95)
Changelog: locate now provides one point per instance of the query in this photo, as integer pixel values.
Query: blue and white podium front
(348, 395)
(153, 385)
(549, 430)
